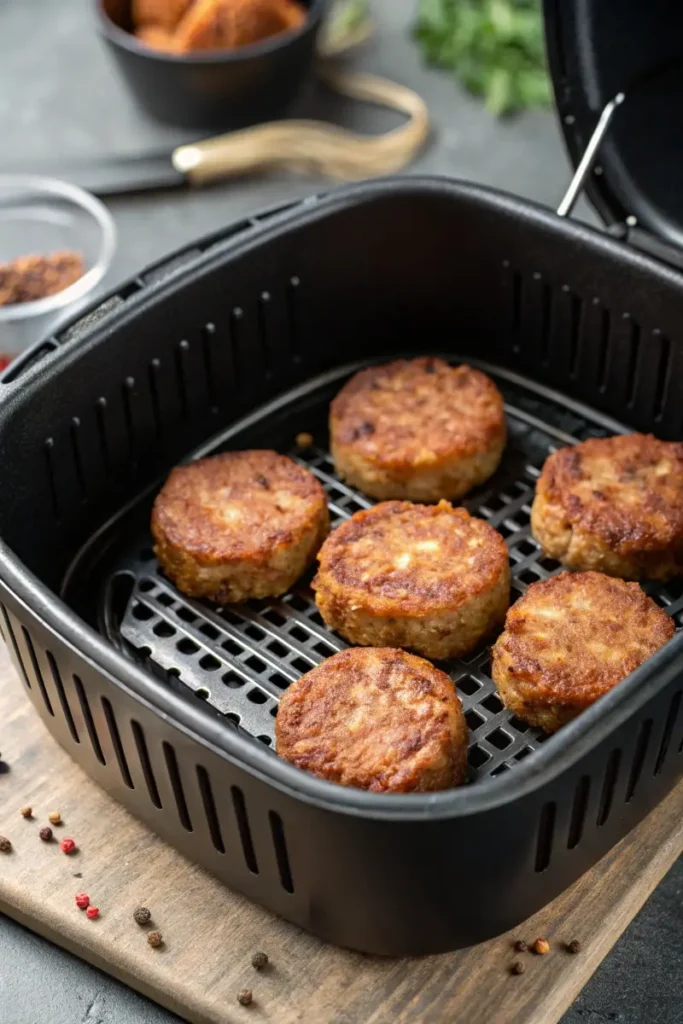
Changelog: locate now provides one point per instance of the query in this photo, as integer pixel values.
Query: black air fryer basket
(169, 703)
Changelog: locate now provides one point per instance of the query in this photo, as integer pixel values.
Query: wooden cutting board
(211, 933)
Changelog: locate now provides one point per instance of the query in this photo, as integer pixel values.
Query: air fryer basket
(169, 704)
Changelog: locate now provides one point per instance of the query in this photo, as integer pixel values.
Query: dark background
(60, 98)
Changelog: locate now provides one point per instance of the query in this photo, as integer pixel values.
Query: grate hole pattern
(238, 660)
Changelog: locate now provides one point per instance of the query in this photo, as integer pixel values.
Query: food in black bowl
(213, 63)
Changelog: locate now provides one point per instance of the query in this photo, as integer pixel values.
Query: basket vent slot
(578, 815)
(153, 371)
(89, 720)
(145, 763)
(663, 377)
(37, 674)
(116, 742)
(668, 730)
(244, 829)
(15, 647)
(75, 437)
(51, 477)
(177, 785)
(575, 333)
(608, 786)
(546, 830)
(603, 352)
(210, 808)
(281, 855)
(100, 419)
(182, 369)
(292, 300)
(127, 389)
(59, 686)
(642, 744)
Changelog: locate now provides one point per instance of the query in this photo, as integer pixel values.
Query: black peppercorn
(574, 946)
(245, 997)
(45, 833)
(142, 915)
(5, 845)
(259, 961)
(517, 967)
(521, 946)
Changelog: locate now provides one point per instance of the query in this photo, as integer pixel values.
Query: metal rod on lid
(586, 162)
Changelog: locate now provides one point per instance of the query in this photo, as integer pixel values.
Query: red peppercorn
(93, 912)
(67, 845)
(82, 900)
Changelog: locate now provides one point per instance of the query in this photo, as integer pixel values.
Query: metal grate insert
(238, 659)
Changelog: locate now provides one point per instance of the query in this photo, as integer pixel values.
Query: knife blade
(114, 175)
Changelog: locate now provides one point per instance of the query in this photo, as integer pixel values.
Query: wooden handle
(315, 146)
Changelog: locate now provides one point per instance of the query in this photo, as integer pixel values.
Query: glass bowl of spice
(56, 245)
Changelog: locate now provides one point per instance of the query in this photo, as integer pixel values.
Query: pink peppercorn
(93, 912)
(82, 900)
(67, 845)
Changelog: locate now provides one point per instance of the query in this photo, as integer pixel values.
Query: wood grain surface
(211, 933)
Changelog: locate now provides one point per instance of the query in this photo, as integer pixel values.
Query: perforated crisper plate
(239, 659)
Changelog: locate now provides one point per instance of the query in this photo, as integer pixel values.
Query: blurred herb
(494, 47)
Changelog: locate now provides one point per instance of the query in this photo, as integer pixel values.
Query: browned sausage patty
(377, 719)
(238, 525)
(569, 640)
(418, 429)
(614, 504)
(429, 577)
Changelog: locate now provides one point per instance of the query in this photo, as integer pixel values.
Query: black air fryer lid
(597, 49)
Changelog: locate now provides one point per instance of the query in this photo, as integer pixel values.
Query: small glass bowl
(39, 216)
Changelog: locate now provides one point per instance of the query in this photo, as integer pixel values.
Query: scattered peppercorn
(82, 900)
(541, 946)
(245, 997)
(5, 845)
(304, 440)
(259, 961)
(45, 833)
(27, 812)
(521, 946)
(93, 912)
(55, 817)
(155, 939)
(67, 846)
(574, 946)
(78, 874)
(517, 967)
(142, 915)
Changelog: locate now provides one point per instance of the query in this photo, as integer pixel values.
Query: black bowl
(217, 88)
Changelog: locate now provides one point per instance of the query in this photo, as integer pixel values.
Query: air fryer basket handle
(586, 163)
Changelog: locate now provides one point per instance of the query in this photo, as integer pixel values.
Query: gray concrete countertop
(60, 98)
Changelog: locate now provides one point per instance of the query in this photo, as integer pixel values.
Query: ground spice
(45, 833)
(142, 915)
(245, 997)
(541, 946)
(574, 946)
(259, 961)
(5, 845)
(67, 846)
(27, 812)
(93, 912)
(82, 900)
(155, 939)
(521, 946)
(55, 817)
(517, 967)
